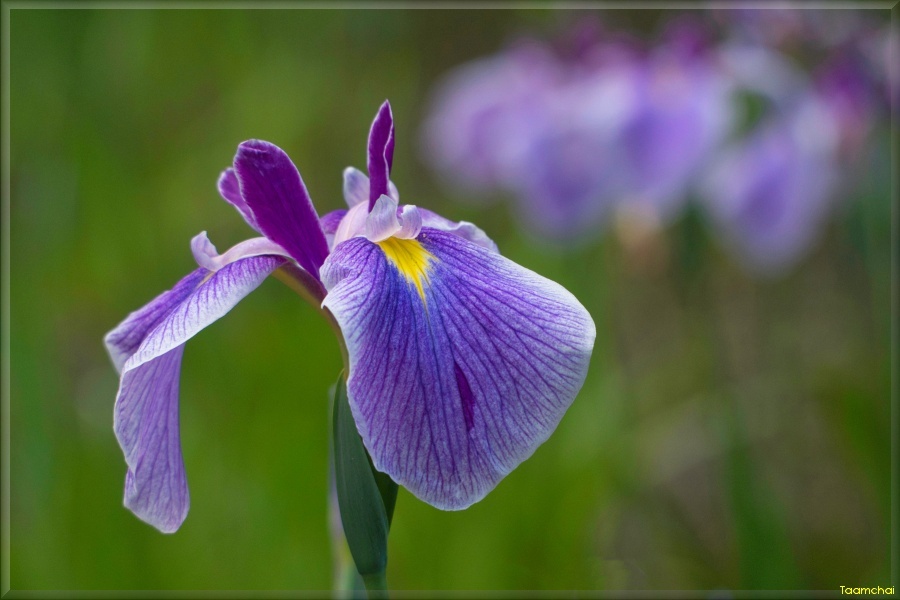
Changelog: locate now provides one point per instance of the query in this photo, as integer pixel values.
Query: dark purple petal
(381, 153)
(272, 188)
(146, 412)
(453, 388)
(230, 190)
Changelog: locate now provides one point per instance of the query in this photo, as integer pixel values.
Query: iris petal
(230, 190)
(147, 349)
(207, 256)
(381, 153)
(330, 222)
(463, 229)
(272, 188)
(127, 337)
(410, 222)
(452, 389)
(382, 221)
(356, 188)
(147, 427)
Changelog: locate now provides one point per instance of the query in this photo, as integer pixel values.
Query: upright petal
(272, 188)
(352, 224)
(230, 190)
(461, 362)
(356, 188)
(146, 413)
(381, 153)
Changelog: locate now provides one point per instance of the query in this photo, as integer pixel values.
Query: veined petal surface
(127, 337)
(464, 229)
(208, 302)
(461, 362)
(147, 427)
(146, 412)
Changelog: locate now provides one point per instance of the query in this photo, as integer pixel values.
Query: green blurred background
(732, 433)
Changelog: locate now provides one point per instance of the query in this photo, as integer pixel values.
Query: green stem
(376, 585)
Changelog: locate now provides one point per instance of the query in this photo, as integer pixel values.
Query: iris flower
(459, 362)
(578, 138)
(770, 194)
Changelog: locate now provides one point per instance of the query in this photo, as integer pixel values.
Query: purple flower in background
(483, 114)
(682, 113)
(769, 194)
(461, 362)
(614, 127)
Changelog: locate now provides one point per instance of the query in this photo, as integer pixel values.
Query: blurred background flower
(596, 122)
(712, 185)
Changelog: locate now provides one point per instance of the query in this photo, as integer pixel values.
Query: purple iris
(577, 138)
(460, 362)
(769, 194)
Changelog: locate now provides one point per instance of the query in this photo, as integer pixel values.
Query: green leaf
(366, 497)
(388, 490)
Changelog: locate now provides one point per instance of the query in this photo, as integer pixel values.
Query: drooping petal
(146, 412)
(210, 301)
(125, 339)
(356, 187)
(147, 427)
(230, 190)
(381, 153)
(461, 362)
(272, 188)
